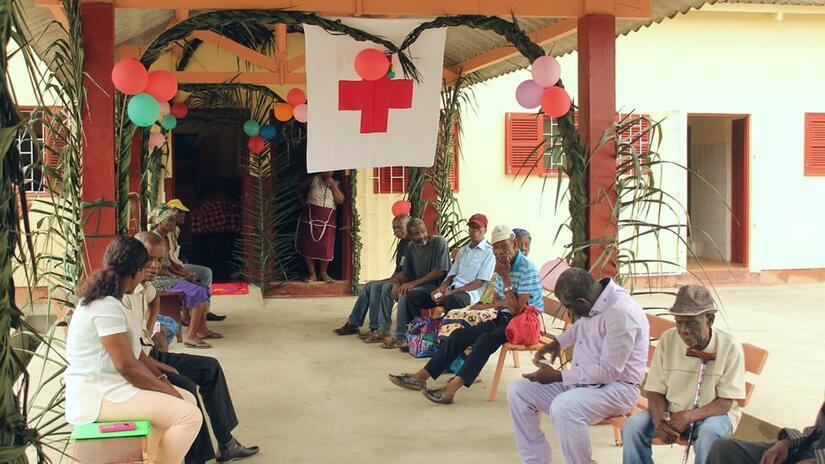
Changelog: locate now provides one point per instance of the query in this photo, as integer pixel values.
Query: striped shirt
(524, 276)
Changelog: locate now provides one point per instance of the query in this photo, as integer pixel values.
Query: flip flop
(307, 280)
(329, 280)
(215, 335)
(201, 346)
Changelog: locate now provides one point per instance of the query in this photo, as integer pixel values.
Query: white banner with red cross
(357, 123)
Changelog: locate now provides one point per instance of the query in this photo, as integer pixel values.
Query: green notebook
(92, 431)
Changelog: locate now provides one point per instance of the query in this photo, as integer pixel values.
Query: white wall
(696, 63)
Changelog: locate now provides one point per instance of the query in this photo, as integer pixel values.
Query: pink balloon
(156, 140)
(130, 77)
(546, 71)
(528, 94)
(550, 273)
(162, 85)
(555, 102)
(164, 108)
(300, 112)
(371, 64)
(295, 97)
(179, 110)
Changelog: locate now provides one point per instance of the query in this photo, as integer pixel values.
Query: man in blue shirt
(517, 284)
(471, 270)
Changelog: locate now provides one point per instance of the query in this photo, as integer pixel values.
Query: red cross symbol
(375, 99)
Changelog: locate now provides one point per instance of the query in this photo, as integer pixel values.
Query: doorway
(718, 199)
(208, 180)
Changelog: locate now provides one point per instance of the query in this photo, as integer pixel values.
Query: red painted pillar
(97, 26)
(430, 215)
(597, 109)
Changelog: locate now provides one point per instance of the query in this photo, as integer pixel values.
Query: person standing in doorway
(319, 194)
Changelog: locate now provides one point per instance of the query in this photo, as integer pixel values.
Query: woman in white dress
(106, 379)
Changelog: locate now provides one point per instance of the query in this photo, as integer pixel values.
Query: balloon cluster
(151, 92)
(542, 90)
(295, 107)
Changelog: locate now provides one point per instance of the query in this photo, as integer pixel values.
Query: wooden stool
(90, 446)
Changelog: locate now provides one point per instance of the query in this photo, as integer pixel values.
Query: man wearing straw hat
(672, 382)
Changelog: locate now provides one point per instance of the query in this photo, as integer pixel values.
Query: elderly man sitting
(471, 270)
(517, 284)
(376, 296)
(611, 338)
(426, 261)
(671, 382)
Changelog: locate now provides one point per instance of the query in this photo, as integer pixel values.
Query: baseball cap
(501, 233)
(478, 219)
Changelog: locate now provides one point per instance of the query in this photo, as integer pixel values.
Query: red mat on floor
(231, 288)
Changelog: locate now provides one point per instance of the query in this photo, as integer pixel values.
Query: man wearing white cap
(674, 373)
(517, 284)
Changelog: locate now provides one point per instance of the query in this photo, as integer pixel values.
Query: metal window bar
(30, 157)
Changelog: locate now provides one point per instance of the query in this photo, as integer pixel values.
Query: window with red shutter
(815, 144)
(523, 144)
(391, 179)
(634, 133)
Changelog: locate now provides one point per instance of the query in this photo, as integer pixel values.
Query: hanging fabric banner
(371, 114)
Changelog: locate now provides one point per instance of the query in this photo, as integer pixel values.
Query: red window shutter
(815, 144)
(393, 179)
(523, 135)
(455, 154)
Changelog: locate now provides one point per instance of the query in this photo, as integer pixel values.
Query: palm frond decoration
(450, 222)
(265, 251)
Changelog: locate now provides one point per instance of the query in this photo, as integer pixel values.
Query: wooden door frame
(740, 186)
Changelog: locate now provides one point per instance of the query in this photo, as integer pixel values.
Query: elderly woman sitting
(195, 296)
(105, 378)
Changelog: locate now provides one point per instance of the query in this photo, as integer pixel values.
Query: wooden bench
(755, 359)
(89, 446)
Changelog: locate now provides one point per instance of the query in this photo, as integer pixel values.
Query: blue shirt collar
(517, 263)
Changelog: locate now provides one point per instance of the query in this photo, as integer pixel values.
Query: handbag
(421, 337)
(463, 318)
(524, 329)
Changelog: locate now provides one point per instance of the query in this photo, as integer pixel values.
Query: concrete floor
(307, 396)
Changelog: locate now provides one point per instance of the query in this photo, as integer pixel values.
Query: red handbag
(524, 329)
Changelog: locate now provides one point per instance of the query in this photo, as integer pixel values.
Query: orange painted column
(597, 109)
(97, 26)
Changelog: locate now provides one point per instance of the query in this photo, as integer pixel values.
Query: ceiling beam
(398, 8)
(541, 36)
(243, 77)
(224, 43)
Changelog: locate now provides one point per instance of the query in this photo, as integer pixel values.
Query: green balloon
(168, 122)
(143, 110)
(251, 128)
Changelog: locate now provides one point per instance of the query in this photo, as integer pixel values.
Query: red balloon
(555, 102)
(179, 110)
(401, 207)
(296, 97)
(256, 144)
(371, 64)
(130, 77)
(162, 85)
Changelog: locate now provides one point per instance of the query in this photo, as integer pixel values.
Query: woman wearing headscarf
(523, 240)
(195, 296)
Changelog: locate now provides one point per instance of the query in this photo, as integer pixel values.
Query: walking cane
(705, 358)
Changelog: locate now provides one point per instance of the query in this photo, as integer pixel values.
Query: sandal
(392, 343)
(365, 335)
(211, 334)
(309, 280)
(202, 345)
(376, 337)
(438, 395)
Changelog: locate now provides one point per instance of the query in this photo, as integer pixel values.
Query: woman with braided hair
(105, 378)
